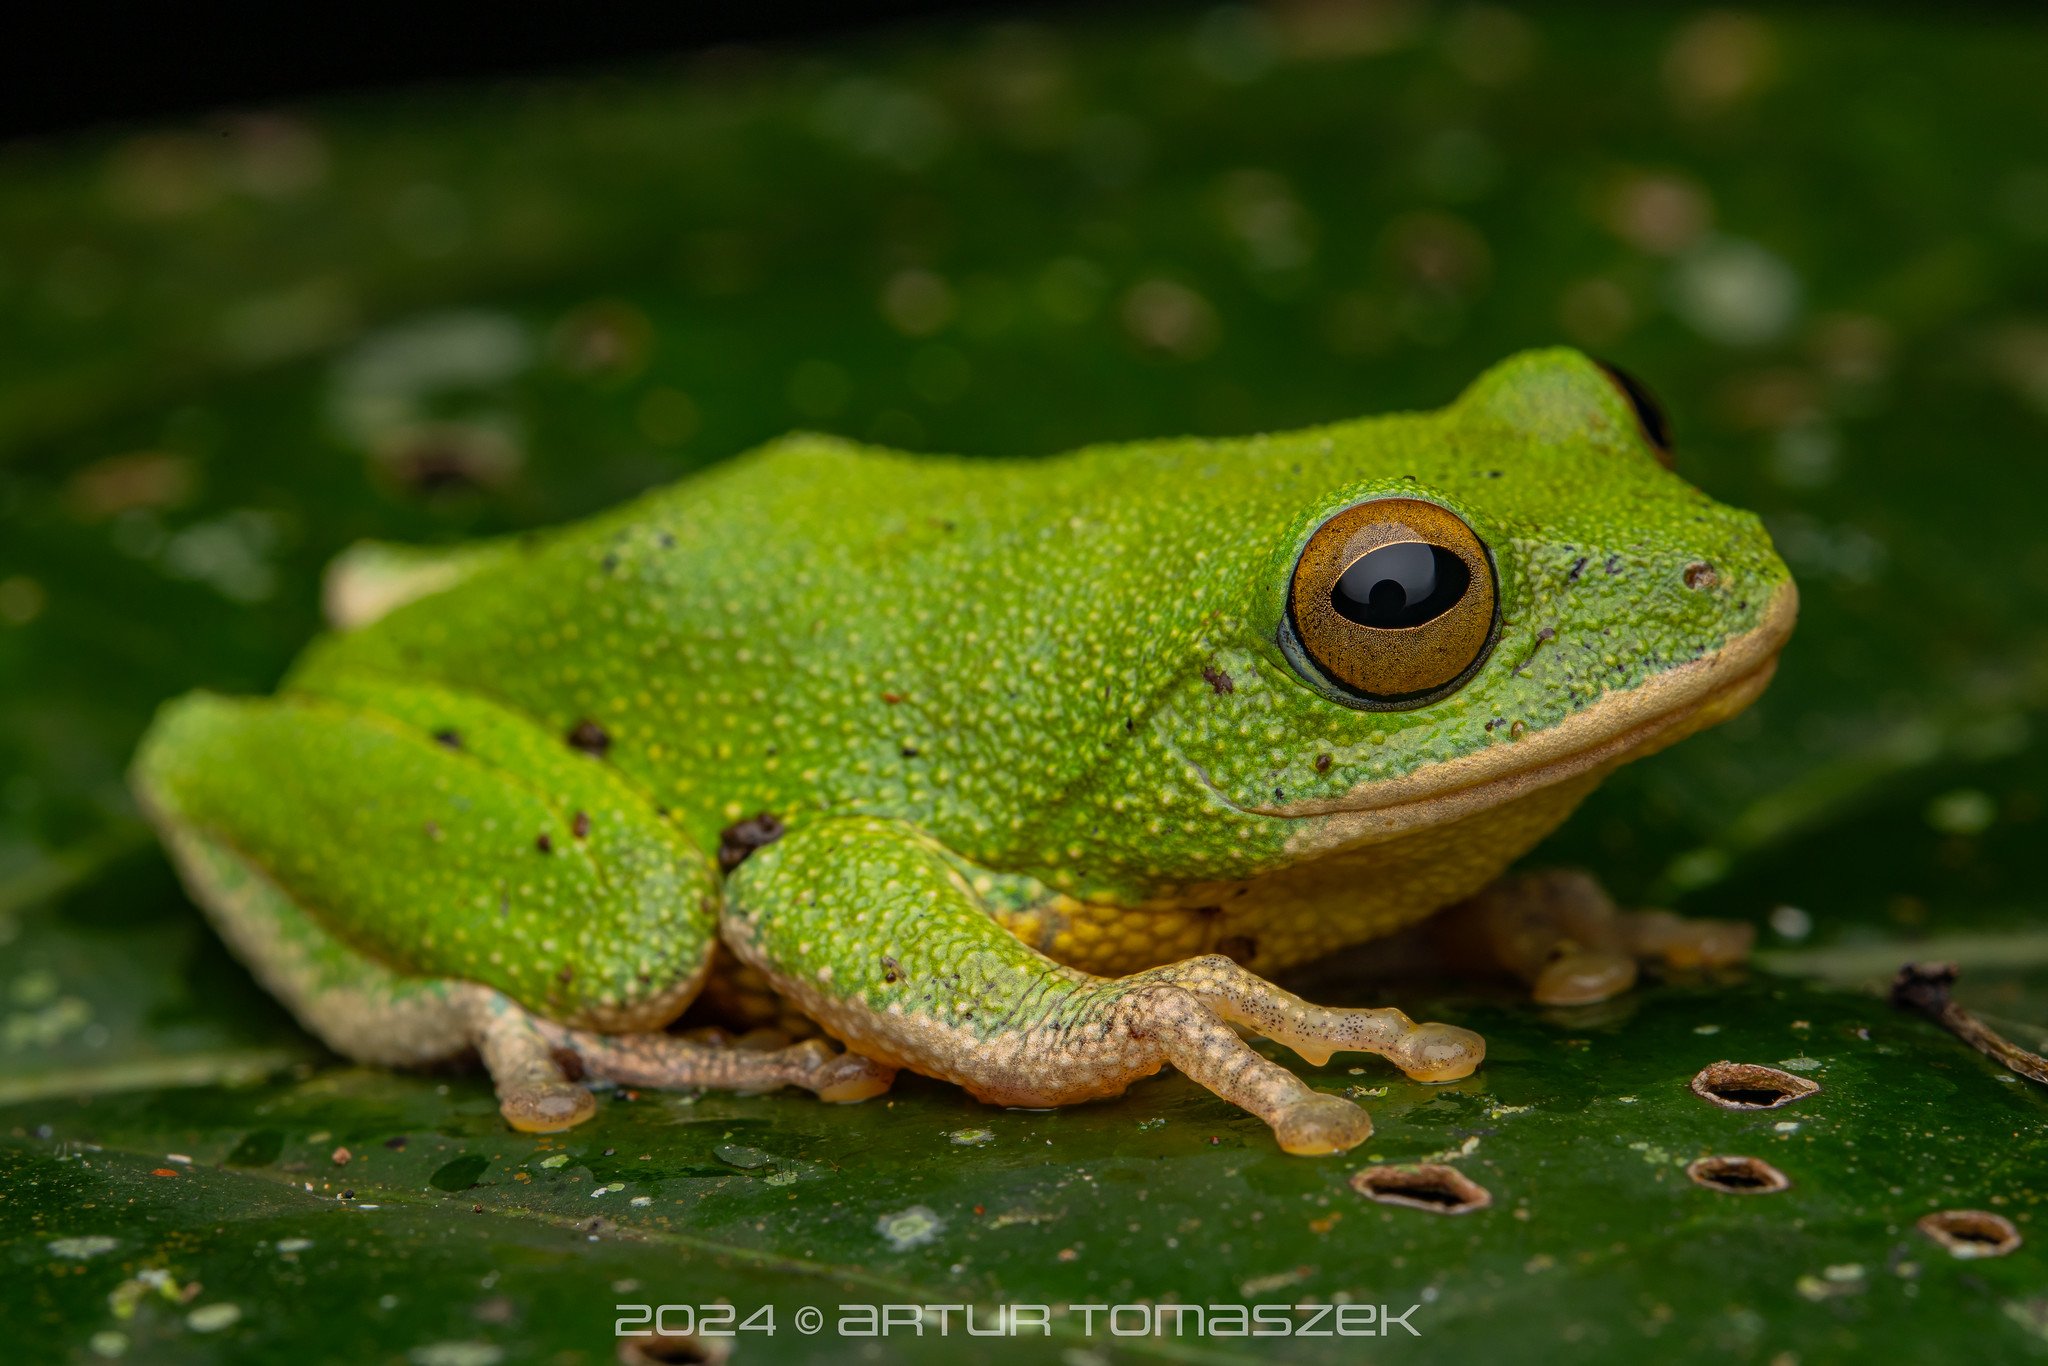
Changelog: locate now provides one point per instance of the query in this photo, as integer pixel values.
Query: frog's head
(1419, 618)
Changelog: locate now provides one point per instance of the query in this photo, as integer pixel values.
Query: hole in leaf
(1971, 1232)
(1737, 1175)
(1427, 1185)
(667, 1349)
(1750, 1086)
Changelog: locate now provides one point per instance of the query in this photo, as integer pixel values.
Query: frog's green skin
(1024, 723)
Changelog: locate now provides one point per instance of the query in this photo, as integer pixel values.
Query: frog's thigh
(1560, 932)
(441, 874)
(363, 1009)
(868, 928)
(446, 837)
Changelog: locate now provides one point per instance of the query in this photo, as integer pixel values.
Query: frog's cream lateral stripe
(367, 582)
(1623, 725)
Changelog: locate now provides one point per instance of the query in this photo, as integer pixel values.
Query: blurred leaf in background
(230, 347)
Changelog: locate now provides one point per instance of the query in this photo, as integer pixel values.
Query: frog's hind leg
(362, 1009)
(1560, 932)
(869, 928)
(418, 873)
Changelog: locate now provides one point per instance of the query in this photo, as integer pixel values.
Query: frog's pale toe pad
(1440, 1052)
(1319, 1124)
(1715, 944)
(546, 1109)
(850, 1077)
(1560, 932)
(1581, 977)
(1684, 943)
(842, 1078)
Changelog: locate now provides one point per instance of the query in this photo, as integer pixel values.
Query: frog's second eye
(1649, 413)
(1394, 600)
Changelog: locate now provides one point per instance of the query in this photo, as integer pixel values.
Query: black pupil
(1405, 584)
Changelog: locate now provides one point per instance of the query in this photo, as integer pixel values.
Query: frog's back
(813, 625)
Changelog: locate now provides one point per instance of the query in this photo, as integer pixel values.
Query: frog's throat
(1618, 727)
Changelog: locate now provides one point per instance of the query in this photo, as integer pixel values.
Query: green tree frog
(1025, 775)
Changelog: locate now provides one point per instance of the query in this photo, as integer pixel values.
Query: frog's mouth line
(1620, 726)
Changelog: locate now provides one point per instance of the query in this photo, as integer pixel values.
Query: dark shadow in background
(65, 67)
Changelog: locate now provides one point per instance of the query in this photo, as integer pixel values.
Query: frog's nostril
(1701, 575)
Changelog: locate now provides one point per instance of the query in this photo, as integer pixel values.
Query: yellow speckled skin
(1300, 913)
(1028, 733)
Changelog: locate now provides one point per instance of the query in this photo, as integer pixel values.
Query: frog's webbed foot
(876, 936)
(537, 1064)
(1560, 932)
(675, 1061)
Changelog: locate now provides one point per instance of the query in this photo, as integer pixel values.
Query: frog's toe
(534, 1093)
(1684, 943)
(849, 1077)
(545, 1109)
(1439, 1052)
(1579, 977)
(818, 1067)
(754, 1063)
(1560, 933)
(1318, 1124)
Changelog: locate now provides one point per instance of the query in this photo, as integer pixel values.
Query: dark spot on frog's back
(1220, 681)
(448, 737)
(742, 838)
(589, 737)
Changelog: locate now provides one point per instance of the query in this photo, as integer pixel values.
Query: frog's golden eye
(1394, 600)
(1649, 413)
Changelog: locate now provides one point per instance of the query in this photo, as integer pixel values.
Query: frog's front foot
(1087, 1037)
(934, 983)
(1319, 1124)
(1561, 933)
(1426, 1052)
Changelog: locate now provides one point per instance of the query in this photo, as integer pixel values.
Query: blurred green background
(231, 346)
